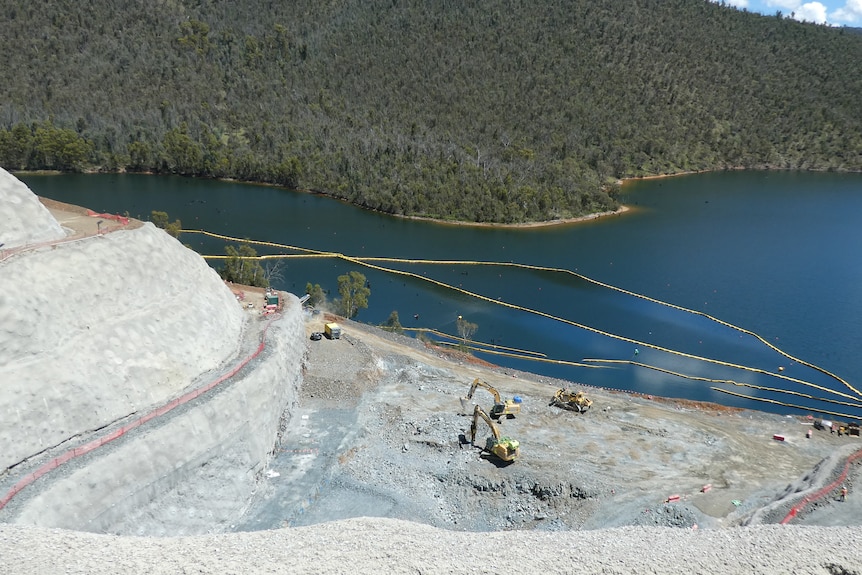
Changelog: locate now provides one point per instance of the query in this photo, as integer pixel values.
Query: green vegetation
(466, 329)
(354, 291)
(242, 267)
(503, 110)
(161, 220)
(393, 323)
(317, 296)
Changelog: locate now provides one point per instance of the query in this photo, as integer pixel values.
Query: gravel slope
(391, 546)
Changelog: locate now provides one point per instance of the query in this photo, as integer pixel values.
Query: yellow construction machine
(509, 408)
(504, 448)
(571, 400)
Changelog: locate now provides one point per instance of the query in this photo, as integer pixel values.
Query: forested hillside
(500, 110)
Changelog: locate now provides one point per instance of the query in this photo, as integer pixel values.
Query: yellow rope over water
(519, 356)
(473, 342)
(753, 369)
(776, 402)
(630, 293)
(742, 384)
(367, 262)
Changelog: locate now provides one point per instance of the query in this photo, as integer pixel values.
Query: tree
(273, 271)
(182, 154)
(393, 323)
(466, 329)
(15, 147)
(242, 267)
(160, 220)
(140, 156)
(57, 148)
(318, 295)
(354, 292)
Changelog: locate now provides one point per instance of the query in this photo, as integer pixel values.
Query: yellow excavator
(571, 400)
(504, 448)
(509, 408)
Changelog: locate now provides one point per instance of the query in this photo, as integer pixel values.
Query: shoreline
(525, 225)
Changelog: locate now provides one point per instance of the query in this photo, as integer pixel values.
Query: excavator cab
(509, 407)
(504, 448)
(571, 400)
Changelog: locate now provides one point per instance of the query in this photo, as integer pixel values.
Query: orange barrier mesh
(794, 511)
(122, 219)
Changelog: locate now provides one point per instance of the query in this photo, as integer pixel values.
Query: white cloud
(734, 3)
(786, 4)
(850, 13)
(808, 12)
(811, 12)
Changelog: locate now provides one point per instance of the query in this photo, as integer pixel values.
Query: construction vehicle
(509, 408)
(332, 331)
(573, 401)
(504, 448)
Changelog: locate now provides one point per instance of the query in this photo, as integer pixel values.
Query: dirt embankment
(372, 474)
(617, 464)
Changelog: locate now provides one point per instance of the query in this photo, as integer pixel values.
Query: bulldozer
(504, 448)
(509, 408)
(571, 400)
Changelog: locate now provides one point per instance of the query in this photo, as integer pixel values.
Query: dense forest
(501, 110)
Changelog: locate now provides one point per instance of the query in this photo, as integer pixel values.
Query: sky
(832, 12)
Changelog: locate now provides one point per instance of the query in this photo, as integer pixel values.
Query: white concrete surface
(106, 328)
(211, 453)
(99, 328)
(23, 219)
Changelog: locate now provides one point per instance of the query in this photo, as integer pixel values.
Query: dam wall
(196, 470)
(98, 330)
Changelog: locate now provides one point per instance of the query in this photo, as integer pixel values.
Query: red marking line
(96, 443)
(823, 492)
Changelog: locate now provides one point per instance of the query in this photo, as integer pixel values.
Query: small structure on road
(332, 331)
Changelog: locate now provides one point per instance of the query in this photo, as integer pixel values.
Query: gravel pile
(391, 546)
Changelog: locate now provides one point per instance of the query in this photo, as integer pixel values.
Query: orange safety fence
(96, 443)
(794, 511)
(122, 219)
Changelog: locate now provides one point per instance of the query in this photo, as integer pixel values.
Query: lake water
(774, 253)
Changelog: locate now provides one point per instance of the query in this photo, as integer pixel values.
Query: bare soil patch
(381, 432)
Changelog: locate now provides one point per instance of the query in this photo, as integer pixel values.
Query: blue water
(772, 252)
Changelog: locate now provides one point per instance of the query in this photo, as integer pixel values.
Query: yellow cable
(737, 383)
(791, 405)
(480, 343)
(366, 262)
(752, 369)
(524, 357)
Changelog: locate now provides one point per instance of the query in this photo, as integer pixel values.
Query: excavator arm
(508, 408)
(505, 448)
(477, 413)
(479, 383)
